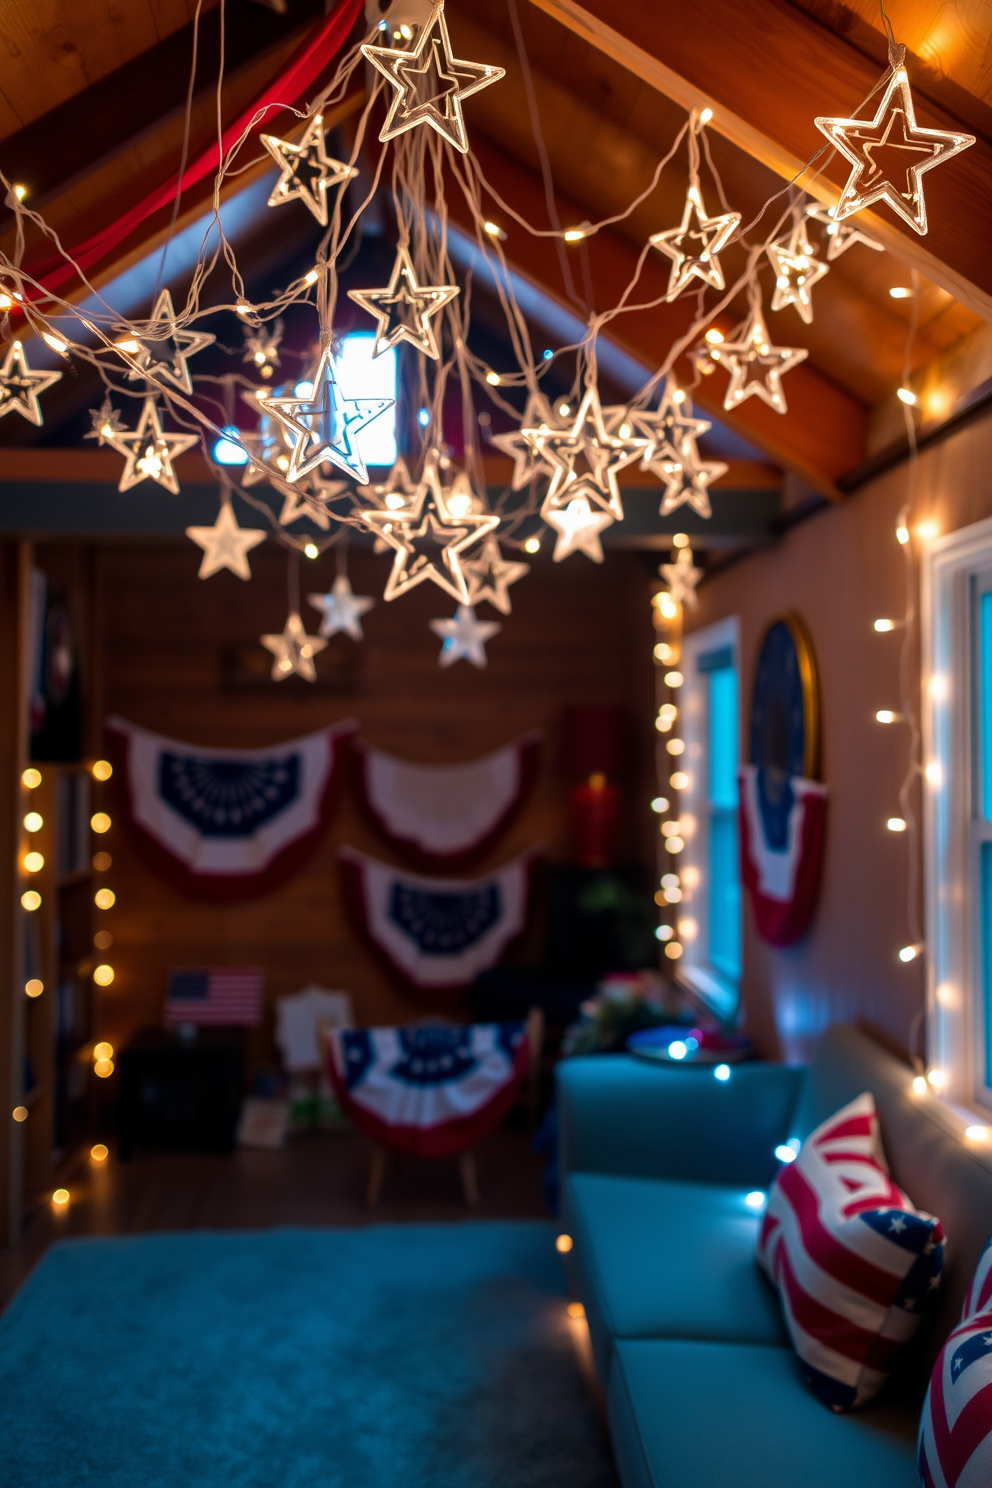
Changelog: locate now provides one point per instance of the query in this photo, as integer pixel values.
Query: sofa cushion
(659, 1259)
(956, 1427)
(688, 1414)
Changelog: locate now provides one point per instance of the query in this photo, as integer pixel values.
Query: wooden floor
(318, 1180)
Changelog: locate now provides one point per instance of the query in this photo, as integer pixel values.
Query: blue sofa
(702, 1388)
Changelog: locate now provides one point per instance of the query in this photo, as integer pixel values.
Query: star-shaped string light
(164, 356)
(297, 504)
(149, 451)
(404, 310)
(20, 386)
(841, 235)
(682, 576)
(490, 575)
(341, 610)
(307, 171)
(687, 480)
(324, 425)
(464, 636)
(693, 249)
(754, 364)
(105, 423)
(526, 445)
(262, 347)
(586, 458)
(225, 544)
(578, 526)
(664, 429)
(797, 269)
(891, 145)
(293, 650)
(430, 83)
(395, 493)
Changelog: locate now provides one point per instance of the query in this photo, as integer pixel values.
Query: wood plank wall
(578, 633)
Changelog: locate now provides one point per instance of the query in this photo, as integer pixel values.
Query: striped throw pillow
(955, 1447)
(853, 1261)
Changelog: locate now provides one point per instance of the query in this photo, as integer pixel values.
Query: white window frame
(955, 1037)
(694, 966)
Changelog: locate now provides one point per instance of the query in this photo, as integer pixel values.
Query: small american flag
(229, 995)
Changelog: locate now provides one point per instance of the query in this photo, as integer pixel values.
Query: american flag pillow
(854, 1262)
(956, 1425)
(979, 1298)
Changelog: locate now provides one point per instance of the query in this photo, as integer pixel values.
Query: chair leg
(377, 1172)
(470, 1182)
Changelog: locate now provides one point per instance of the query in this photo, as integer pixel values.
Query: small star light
(430, 83)
(323, 426)
(526, 444)
(687, 480)
(750, 350)
(665, 429)
(293, 650)
(342, 610)
(602, 453)
(797, 269)
(490, 575)
(405, 309)
(225, 544)
(425, 524)
(578, 527)
(262, 347)
(165, 356)
(307, 171)
(890, 145)
(150, 452)
(682, 576)
(464, 636)
(19, 386)
(693, 250)
(105, 422)
(840, 236)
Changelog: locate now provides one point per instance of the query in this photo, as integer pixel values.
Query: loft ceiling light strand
(693, 246)
(755, 365)
(797, 269)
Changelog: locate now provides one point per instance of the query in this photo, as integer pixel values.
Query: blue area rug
(398, 1356)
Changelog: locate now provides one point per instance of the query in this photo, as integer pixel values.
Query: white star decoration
(840, 236)
(308, 172)
(225, 544)
(693, 250)
(687, 480)
(750, 351)
(150, 451)
(490, 575)
(19, 386)
(324, 425)
(165, 356)
(464, 636)
(578, 527)
(293, 650)
(526, 444)
(342, 610)
(797, 269)
(404, 310)
(588, 443)
(682, 577)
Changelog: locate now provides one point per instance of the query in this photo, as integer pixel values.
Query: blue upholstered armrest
(618, 1114)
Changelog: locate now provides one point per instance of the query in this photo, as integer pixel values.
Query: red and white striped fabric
(854, 1262)
(955, 1446)
(979, 1298)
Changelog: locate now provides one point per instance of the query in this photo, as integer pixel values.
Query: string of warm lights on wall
(666, 612)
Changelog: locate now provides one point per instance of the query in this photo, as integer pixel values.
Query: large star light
(293, 650)
(428, 539)
(430, 83)
(682, 576)
(164, 356)
(464, 636)
(586, 458)
(225, 544)
(755, 365)
(490, 575)
(693, 245)
(664, 429)
(525, 445)
(324, 425)
(797, 269)
(687, 480)
(342, 609)
(404, 310)
(150, 451)
(840, 235)
(307, 171)
(578, 526)
(19, 386)
(890, 154)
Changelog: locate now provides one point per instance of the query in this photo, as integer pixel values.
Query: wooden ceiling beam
(770, 62)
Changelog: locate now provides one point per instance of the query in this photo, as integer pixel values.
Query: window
(365, 376)
(957, 732)
(710, 922)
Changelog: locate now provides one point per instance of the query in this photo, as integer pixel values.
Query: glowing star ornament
(430, 83)
(890, 154)
(404, 310)
(149, 451)
(687, 480)
(164, 356)
(105, 423)
(578, 526)
(325, 425)
(262, 348)
(297, 504)
(682, 576)
(693, 245)
(756, 367)
(341, 610)
(293, 650)
(464, 636)
(664, 429)
(307, 171)
(586, 459)
(526, 445)
(225, 544)
(797, 269)
(19, 386)
(841, 236)
(490, 575)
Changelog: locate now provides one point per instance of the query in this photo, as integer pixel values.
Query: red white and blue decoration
(224, 996)
(430, 1091)
(230, 823)
(854, 1262)
(446, 817)
(955, 1443)
(436, 934)
(782, 806)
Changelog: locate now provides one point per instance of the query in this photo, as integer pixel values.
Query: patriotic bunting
(446, 817)
(230, 823)
(782, 838)
(436, 934)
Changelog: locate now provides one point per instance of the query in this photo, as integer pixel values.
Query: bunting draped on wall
(781, 869)
(436, 934)
(446, 817)
(430, 1091)
(230, 823)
